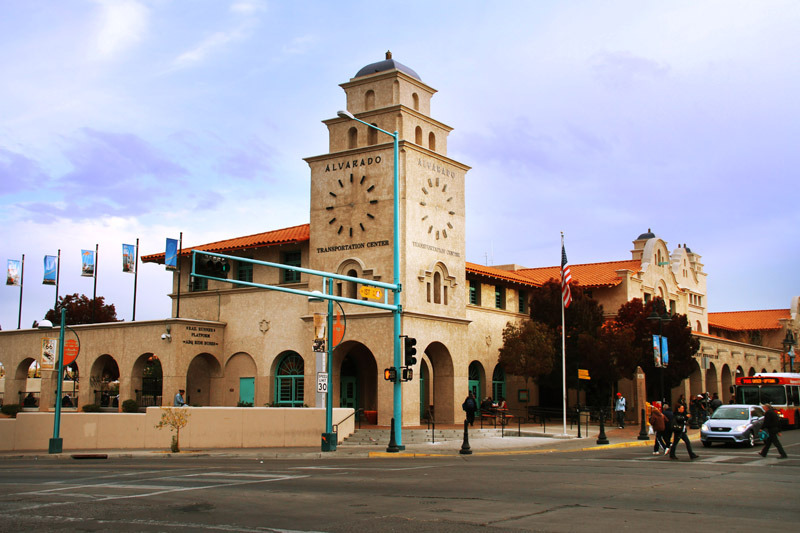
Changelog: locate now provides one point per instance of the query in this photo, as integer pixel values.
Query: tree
(610, 356)
(174, 418)
(527, 349)
(79, 310)
(584, 316)
(682, 344)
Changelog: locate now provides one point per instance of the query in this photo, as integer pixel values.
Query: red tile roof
(748, 320)
(497, 273)
(291, 235)
(586, 275)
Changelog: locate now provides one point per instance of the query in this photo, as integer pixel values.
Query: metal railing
(358, 413)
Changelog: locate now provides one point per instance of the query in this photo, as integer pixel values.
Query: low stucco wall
(208, 427)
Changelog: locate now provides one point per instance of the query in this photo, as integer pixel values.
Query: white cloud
(206, 47)
(247, 7)
(123, 23)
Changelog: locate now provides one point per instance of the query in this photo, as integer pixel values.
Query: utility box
(329, 441)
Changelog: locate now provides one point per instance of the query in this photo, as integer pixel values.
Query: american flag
(566, 278)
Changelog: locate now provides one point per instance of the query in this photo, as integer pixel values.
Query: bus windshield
(747, 394)
(773, 394)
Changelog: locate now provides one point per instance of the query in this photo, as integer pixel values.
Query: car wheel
(706, 443)
(751, 440)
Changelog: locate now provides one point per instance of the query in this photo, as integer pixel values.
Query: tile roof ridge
(748, 311)
(254, 234)
(572, 265)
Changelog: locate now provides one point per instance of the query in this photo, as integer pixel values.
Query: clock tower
(351, 223)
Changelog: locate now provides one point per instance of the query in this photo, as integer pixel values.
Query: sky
(126, 119)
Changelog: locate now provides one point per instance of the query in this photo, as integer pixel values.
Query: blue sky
(125, 119)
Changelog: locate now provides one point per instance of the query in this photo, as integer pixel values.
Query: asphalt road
(726, 489)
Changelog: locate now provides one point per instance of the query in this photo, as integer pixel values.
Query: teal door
(247, 390)
(347, 397)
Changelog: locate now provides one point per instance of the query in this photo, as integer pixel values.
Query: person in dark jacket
(668, 416)
(470, 406)
(680, 421)
(772, 426)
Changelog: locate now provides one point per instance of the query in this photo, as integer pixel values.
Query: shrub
(91, 408)
(130, 406)
(11, 409)
(244, 404)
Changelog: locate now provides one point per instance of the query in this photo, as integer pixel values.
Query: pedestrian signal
(390, 374)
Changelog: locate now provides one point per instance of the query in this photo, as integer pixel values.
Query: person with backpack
(470, 406)
(658, 423)
(680, 421)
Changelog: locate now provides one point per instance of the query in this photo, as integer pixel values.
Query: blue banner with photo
(129, 258)
(50, 270)
(171, 255)
(664, 352)
(14, 267)
(656, 351)
(87, 263)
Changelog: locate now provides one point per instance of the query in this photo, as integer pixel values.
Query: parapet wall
(208, 427)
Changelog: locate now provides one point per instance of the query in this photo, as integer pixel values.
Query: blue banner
(12, 278)
(664, 352)
(656, 351)
(50, 270)
(171, 255)
(129, 258)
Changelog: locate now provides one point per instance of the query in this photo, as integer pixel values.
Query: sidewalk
(532, 442)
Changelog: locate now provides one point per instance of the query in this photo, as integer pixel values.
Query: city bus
(780, 389)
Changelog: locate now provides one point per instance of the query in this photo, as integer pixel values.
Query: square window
(499, 297)
(291, 259)
(244, 272)
(474, 292)
(523, 301)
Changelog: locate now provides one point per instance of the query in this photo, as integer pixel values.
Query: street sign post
(322, 382)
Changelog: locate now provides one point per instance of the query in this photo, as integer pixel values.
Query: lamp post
(788, 347)
(56, 442)
(661, 318)
(396, 443)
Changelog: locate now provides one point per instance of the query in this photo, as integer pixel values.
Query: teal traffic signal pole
(398, 390)
(56, 442)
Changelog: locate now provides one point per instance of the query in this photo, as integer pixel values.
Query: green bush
(244, 404)
(11, 409)
(91, 408)
(130, 406)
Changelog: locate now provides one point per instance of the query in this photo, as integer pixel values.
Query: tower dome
(646, 236)
(386, 64)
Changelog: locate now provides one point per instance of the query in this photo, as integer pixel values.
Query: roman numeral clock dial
(438, 208)
(352, 204)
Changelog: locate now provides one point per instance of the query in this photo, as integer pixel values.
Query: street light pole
(397, 326)
(56, 443)
(655, 315)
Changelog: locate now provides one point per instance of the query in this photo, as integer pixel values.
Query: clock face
(351, 204)
(438, 207)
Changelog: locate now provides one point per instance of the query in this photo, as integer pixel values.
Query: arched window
(418, 135)
(369, 100)
(352, 286)
(415, 101)
(432, 141)
(352, 138)
(699, 327)
(437, 288)
(498, 383)
(289, 381)
(372, 136)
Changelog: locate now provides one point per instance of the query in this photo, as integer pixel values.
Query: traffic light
(410, 351)
(217, 266)
(390, 374)
(408, 374)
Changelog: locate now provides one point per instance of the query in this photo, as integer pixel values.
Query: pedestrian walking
(470, 406)
(668, 416)
(679, 422)
(658, 423)
(772, 426)
(619, 410)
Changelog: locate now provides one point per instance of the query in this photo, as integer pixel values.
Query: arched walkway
(477, 381)
(711, 379)
(355, 378)
(104, 382)
(727, 382)
(147, 380)
(444, 403)
(239, 383)
(203, 372)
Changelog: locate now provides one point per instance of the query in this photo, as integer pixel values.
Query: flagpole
(135, 277)
(178, 268)
(563, 355)
(21, 283)
(58, 275)
(94, 293)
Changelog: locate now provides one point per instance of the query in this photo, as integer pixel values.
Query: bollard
(601, 438)
(643, 431)
(465, 445)
(393, 447)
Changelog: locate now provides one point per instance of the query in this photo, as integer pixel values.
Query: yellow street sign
(583, 374)
(373, 293)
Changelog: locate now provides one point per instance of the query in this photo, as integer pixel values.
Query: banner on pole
(12, 277)
(87, 263)
(49, 352)
(664, 352)
(50, 268)
(128, 258)
(171, 255)
(657, 351)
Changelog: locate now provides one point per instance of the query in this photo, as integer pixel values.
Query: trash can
(329, 441)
